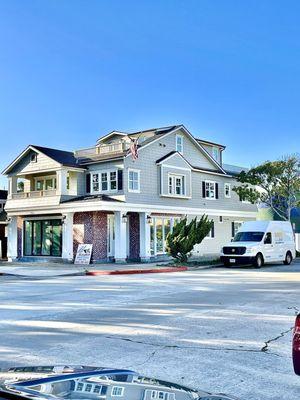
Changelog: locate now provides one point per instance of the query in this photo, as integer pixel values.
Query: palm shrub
(186, 235)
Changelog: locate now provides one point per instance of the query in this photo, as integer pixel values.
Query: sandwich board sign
(84, 254)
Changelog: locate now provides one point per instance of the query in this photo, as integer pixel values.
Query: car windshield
(248, 237)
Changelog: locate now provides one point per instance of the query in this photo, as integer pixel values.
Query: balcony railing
(102, 150)
(34, 194)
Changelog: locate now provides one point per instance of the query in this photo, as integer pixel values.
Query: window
(211, 234)
(45, 183)
(235, 227)
(216, 153)
(133, 180)
(159, 229)
(227, 190)
(88, 387)
(176, 185)
(117, 391)
(210, 190)
(268, 238)
(79, 387)
(179, 143)
(95, 185)
(153, 394)
(106, 181)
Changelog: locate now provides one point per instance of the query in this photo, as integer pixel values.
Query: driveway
(222, 330)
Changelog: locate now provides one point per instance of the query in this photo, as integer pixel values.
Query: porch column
(12, 239)
(120, 238)
(145, 251)
(67, 237)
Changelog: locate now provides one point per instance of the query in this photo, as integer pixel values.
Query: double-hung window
(227, 190)
(117, 391)
(210, 190)
(179, 143)
(105, 181)
(133, 180)
(176, 185)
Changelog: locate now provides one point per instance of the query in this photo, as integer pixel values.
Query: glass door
(43, 238)
(111, 235)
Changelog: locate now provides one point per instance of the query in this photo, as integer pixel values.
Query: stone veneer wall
(134, 236)
(91, 228)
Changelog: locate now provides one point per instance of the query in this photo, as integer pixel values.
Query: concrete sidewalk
(40, 269)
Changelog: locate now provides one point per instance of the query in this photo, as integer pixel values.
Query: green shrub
(186, 235)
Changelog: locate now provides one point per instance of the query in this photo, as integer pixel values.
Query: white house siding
(25, 166)
(210, 247)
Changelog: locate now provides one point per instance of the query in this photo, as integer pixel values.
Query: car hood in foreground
(84, 382)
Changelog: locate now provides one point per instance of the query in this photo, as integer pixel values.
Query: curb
(137, 271)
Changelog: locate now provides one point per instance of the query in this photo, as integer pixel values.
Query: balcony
(34, 194)
(102, 151)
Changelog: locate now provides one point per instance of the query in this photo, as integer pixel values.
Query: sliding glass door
(43, 238)
(159, 229)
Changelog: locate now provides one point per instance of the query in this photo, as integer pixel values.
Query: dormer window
(216, 153)
(179, 143)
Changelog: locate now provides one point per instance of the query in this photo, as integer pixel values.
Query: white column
(120, 238)
(67, 237)
(61, 176)
(12, 239)
(145, 250)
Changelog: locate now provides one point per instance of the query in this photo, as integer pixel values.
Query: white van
(260, 242)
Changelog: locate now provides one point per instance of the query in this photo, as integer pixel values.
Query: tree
(274, 183)
(185, 235)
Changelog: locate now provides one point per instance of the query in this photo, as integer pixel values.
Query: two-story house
(122, 199)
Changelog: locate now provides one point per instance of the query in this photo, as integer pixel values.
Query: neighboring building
(3, 225)
(123, 206)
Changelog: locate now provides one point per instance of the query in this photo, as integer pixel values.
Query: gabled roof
(3, 194)
(62, 157)
(211, 143)
(234, 169)
(170, 155)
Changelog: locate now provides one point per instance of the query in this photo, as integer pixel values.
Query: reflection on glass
(37, 238)
(56, 238)
(159, 235)
(28, 238)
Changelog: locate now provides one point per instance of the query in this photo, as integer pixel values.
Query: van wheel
(259, 261)
(288, 258)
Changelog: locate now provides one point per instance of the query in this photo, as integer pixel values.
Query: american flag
(133, 149)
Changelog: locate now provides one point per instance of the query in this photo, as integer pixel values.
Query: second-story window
(176, 185)
(45, 183)
(133, 180)
(227, 190)
(106, 181)
(210, 190)
(179, 143)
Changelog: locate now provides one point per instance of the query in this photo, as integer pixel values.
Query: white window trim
(229, 186)
(237, 222)
(44, 179)
(176, 137)
(117, 395)
(211, 198)
(99, 173)
(183, 178)
(139, 180)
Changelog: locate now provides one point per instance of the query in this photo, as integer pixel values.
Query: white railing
(34, 194)
(101, 150)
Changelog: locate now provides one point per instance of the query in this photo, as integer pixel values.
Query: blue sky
(73, 70)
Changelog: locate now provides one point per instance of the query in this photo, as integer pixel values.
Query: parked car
(296, 346)
(81, 382)
(260, 242)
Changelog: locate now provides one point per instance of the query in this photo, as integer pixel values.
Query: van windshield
(248, 237)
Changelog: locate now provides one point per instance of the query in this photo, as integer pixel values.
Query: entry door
(111, 235)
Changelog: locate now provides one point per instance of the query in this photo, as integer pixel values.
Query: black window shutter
(213, 229)
(217, 190)
(120, 179)
(232, 229)
(203, 189)
(88, 183)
